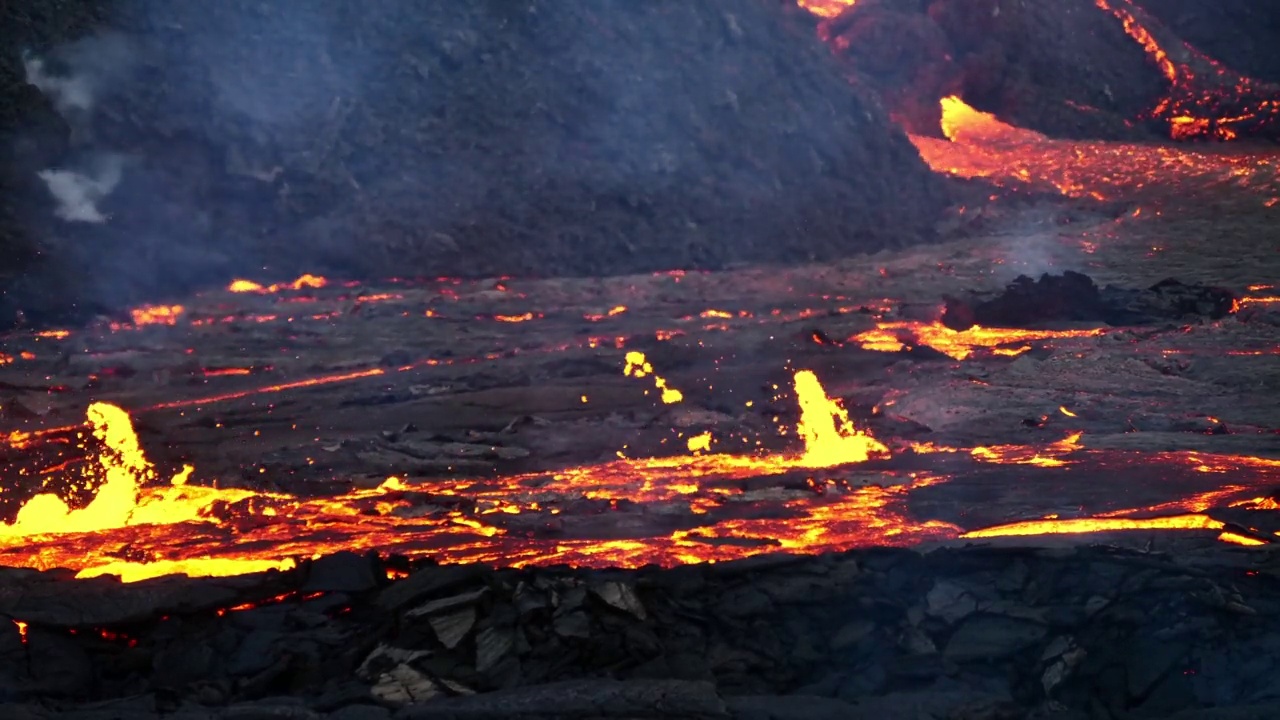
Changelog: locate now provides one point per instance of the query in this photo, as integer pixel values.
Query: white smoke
(93, 65)
(68, 94)
(79, 192)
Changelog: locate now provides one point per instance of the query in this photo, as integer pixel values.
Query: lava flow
(978, 145)
(696, 508)
(1205, 98)
(182, 528)
(958, 344)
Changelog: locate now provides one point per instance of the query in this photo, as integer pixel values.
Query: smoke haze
(207, 140)
(78, 192)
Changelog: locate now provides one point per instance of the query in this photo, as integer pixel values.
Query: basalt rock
(964, 633)
(1074, 297)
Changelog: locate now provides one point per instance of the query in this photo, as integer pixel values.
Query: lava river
(841, 489)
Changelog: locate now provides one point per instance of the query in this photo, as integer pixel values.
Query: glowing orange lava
(164, 521)
(826, 8)
(979, 145)
(957, 344)
(303, 282)
(1205, 98)
(137, 527)
(830, 439)
(156, 315)
(638, 366)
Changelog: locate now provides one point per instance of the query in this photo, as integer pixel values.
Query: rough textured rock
(1068, 69)
(1033, 64)
(971, 633)
(430, 138)
(1074, 297)
(1240, 33)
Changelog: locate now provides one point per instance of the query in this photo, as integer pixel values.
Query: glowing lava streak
(175, 527)
(957, 344)
(303, 281)
(1071, 526)
(830, 439)
(1205, 98)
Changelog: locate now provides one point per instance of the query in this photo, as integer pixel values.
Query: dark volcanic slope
(1033, 64)
(1071, 69)
(447, 137)
(1240, 33)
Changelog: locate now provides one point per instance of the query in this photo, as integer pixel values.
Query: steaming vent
(74, 79)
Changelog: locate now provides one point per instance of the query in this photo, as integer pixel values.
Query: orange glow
(898, 336)
(308, 382)
(826, 8)
(223, 372)
(156, 315)
(1050, 456)
(119, 474)
(613, 312)
(1148, 43)
(514, 318)
(638, 366)
(54, 334)
(1237, 539)
(22, 630)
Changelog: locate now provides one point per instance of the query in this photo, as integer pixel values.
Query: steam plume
(92, 65)
(78, 193)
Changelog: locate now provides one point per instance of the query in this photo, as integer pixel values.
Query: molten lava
(830, 439)
(957, 344)
(136, 527)
(177, 527)
(156, 315)
(1205, 98)
(638, 366)
(979, 145)
(826, 8)
(303, 282)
